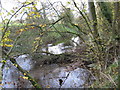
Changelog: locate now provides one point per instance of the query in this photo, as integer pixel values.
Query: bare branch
(24, 72)
(5, 29)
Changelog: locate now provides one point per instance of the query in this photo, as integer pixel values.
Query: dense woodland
(97, 24)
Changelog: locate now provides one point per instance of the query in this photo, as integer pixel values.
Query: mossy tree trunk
(93, 18)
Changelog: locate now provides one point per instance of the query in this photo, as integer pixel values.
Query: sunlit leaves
(27, 2)
(20, 30)
(68, 2)
(24, 74)
(48, 86)
(35, 9)
(7, 45)
(84, 10)
(42, 25)
(12, 11)
(15, 65)
(76, 24)
(34, 14)
(7, 34)
(8, 14)
(7, 40)
(38, 38)
(3, 61)
(38, 15)
(28, 8)
(25, 78)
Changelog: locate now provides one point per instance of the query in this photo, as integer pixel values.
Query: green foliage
(106, 10)
(107, 78)
(28, 35)
(68, 16)
(61, 34)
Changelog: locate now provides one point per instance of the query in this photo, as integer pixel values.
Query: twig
(109, 78)
(5, 29)
(14, 44)
(83, 16)
(54, 8)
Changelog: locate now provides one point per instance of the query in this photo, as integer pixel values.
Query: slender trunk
(116, 32)
(93, 18)
(115, 24)
(116, 27)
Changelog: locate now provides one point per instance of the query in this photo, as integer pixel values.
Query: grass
(107, 78)
(29, 36)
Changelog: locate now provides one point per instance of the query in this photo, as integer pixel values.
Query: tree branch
(24, 72)
(5, 29)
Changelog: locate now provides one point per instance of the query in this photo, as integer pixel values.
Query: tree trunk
(93, 18)
(116, 23)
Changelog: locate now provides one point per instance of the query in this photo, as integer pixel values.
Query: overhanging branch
(24, 72)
